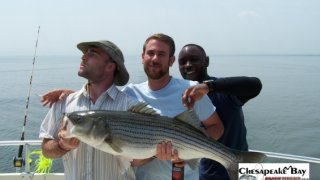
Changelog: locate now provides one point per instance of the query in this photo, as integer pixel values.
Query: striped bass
(135, 134)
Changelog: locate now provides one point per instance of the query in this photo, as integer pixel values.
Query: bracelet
(209, 83)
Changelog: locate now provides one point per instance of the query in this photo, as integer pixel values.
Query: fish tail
(244, 157)
(233, 171)
(251, 157)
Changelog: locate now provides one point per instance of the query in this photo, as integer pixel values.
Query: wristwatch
(210, 84)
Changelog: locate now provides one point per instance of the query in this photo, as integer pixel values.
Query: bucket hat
(121, 75)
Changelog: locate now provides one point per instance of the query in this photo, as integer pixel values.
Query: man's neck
(157, 84)
(96, 89)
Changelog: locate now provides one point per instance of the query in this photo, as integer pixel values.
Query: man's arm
(51, 97)
(54, 148)
(214, 126)
(244, 88)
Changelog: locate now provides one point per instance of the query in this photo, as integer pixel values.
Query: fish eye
(79, 118)
(76, 118)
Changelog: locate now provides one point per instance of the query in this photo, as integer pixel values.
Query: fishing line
(18, 161)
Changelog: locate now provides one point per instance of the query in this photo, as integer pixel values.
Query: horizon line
(209, 54)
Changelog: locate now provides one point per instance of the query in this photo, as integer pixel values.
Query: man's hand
(194, 93)
(165, 152)
(65, 142)
(176, 160)
(51, 97)
(55, 148)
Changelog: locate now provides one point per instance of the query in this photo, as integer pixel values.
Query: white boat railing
(27, 174)
(290, 157)
(18, 143)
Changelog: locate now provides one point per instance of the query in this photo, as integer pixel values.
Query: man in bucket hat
(102, 64)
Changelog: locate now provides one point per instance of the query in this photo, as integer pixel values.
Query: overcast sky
(220, 26)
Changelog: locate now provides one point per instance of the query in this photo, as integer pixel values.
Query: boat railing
(27, 174)
(290, 157)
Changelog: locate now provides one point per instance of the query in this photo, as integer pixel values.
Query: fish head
(88, 125)
(77, 118)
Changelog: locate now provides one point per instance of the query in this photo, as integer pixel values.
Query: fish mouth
(74, 118)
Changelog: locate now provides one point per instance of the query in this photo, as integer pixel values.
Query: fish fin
(143, 108)
(115, 148)
(245, 157)
(190, 117)
(113, 145)
(193, 163)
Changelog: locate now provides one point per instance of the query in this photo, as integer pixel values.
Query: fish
(135, 133)
(247, 177)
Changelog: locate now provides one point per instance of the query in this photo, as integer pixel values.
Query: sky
(222, 27)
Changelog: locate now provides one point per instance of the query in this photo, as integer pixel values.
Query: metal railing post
(27, 174)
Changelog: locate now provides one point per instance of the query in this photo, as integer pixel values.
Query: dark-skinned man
(227, 94)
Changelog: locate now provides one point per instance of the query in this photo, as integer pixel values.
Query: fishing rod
(19, 161)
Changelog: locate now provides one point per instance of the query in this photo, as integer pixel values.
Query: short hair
(196, 45)
(164, 38)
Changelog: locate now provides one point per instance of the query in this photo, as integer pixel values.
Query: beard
(82, 74)
(85, 72)
(152, 74)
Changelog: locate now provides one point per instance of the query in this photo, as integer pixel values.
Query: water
(284, 118)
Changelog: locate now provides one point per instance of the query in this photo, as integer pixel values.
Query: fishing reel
(18, 162)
